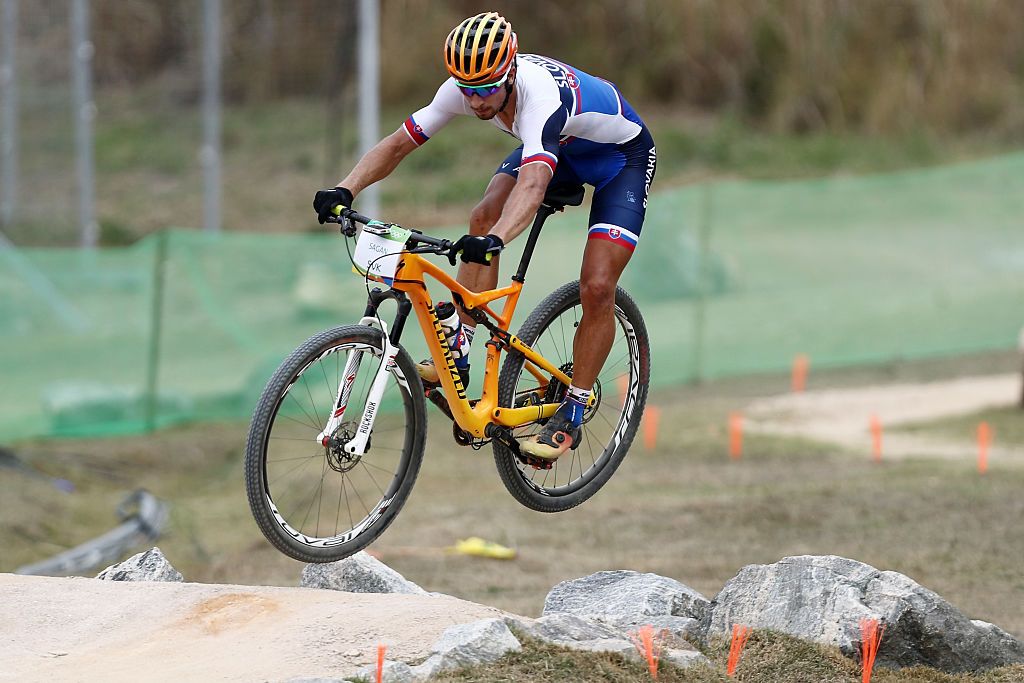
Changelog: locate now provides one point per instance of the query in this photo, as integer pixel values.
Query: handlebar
(433, 245)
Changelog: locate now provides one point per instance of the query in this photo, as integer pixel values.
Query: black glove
(325, 201)
(476, 249)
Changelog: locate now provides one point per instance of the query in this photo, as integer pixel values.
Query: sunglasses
(482, 90)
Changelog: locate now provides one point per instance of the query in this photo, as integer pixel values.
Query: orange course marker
(736, 435)
(381, 649)
(876, 438)
(648, 643)
(623, 385)
(984, 441)
(870, 639)
(800, 366)
(739, 641)
(651, 420)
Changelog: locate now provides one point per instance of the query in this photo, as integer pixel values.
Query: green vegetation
(276, 154)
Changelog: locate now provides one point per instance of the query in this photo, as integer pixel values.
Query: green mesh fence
(733, 278)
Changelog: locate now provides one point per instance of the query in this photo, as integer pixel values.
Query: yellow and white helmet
(481, 49)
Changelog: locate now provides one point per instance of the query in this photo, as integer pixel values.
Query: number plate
(377, 251)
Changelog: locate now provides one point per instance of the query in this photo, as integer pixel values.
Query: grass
(1006, 423)
(767, 658)
(149, 174)
(683, 510)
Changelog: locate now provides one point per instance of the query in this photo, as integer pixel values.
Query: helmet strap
(509, 85)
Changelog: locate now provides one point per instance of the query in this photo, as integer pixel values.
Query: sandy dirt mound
(843, 415)
(77, 629)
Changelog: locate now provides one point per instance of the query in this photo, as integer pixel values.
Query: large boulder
(148, 566)
(359, 573)
(628, 599)
(470, 644)
(823, 599)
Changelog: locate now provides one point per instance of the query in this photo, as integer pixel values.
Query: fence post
(703, 250)
(211, 150)
(9, 115)
(156, 310)
(369, 93)
(85, 114)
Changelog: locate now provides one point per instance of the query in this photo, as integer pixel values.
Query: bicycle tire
(295, 374)
(519, 478)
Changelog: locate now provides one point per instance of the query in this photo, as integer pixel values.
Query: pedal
(504, 436)
(536, 463)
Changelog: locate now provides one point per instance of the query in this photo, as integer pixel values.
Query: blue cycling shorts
(620, 174)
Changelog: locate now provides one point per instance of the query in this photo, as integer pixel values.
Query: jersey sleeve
(447, 103)
(540, 129)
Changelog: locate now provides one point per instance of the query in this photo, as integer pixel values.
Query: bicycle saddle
(561, 195)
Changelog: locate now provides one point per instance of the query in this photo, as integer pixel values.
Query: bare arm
(379, 162)
(523, 202)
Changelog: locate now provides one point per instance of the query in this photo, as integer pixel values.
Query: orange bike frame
(474, 419)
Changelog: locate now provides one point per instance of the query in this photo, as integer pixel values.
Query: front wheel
(609, 425)
(316, 502)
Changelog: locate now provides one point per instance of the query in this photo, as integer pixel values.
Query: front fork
(357, 446)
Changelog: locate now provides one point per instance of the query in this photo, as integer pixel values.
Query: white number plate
(377, 251)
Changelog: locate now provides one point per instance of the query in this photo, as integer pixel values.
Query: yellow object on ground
(481, 548)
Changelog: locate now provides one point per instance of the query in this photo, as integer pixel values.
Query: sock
(575, 404)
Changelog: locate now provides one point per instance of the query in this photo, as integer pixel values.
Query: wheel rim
(605, 425)
(319, 495)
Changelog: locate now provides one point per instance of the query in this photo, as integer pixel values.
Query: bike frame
(410, 289)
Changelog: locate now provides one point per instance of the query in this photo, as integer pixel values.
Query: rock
(626, 598)
(823, 599)
(470, 644)
(148, 566)
(562, 627)
(580, 633)
(359, 573)
(683, 657)
(392, 672)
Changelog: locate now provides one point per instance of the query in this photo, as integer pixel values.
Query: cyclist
(575, 128)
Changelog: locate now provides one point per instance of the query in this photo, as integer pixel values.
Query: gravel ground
(843, 416)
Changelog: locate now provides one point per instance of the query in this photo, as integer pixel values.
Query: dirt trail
(77, 629)
(842, 415)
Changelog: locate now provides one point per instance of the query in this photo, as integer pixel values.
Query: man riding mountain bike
(574, 128)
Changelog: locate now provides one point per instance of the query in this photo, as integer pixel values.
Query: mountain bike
(337, 438)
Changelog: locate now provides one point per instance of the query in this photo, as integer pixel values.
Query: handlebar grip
(345, 212)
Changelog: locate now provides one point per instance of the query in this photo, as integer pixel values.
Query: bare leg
(473, 276)
(603, 263)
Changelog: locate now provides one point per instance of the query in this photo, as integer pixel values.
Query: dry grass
(683, 510)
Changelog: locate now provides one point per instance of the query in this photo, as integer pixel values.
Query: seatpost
(543, 211)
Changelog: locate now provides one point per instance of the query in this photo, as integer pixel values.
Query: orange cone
(800, 366)
(651, 421)
(736, 435)
(984, 440)
(876, 438)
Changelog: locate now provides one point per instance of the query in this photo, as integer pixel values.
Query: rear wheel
(609, 425)
(317, 503)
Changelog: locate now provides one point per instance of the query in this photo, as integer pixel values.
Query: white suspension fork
(357, 446)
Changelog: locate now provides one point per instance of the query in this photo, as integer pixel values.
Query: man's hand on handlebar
(325, 200)
(476, 248)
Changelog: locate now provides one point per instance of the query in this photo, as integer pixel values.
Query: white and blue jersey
(578, 125)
